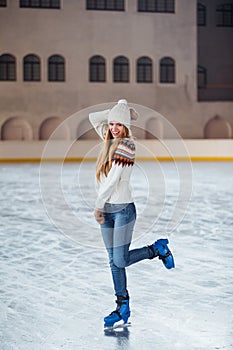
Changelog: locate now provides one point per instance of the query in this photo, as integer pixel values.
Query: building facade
(58, 57)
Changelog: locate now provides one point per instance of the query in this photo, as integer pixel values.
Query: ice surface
(55, 281)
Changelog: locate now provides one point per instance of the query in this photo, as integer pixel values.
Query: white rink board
(218, 149)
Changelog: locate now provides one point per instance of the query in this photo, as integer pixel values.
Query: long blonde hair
(104, 161)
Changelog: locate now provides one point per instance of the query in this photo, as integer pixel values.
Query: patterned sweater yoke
(125, 153)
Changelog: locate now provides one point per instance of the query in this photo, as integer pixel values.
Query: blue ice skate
(122, 312)
(161, 250)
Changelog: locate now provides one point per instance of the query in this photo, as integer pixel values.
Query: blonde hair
(104, 161)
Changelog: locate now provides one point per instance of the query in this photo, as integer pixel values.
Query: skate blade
(121, 325)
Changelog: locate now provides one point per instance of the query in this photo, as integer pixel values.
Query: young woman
(114, 208)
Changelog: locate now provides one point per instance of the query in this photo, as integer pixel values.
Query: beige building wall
(78, 34)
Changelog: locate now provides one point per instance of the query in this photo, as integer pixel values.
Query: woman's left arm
(99, 120)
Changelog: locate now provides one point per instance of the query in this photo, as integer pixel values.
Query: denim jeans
(117, 231)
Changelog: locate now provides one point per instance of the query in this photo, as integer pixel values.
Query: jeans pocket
(129, 212)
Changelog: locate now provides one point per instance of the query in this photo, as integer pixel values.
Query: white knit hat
(122, 113)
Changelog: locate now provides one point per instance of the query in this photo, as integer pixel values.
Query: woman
(114, 208)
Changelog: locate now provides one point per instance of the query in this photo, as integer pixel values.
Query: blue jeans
(117, 231)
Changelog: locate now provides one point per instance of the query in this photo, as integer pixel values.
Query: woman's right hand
(99, 216)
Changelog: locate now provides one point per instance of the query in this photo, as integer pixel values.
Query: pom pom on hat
(122, 101)
(122, 113)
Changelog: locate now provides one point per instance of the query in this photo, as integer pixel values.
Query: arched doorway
(154, 129)
(217, 128)
(51, 128)
(86, 131)
(16, 128)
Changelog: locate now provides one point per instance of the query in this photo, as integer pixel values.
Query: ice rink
(55, 281)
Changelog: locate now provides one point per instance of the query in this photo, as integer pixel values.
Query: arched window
(7, 67)
(105, 5)
(201, 15)
(156, 6)
(224, 14)
(51, 4)
(56, 68)
(201, 77)
(144, 70)
(121, 69)
(31, 65)
(167, 70)
(97, 69)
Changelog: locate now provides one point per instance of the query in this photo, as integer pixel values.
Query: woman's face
(116, 129)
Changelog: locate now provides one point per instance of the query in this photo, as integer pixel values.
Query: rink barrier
(146, 150)
(139, 159)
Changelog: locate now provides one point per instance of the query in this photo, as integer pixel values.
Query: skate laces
(163, 257)
(119, 304)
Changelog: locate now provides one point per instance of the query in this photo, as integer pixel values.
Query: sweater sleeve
(99, 121)
(124, 156)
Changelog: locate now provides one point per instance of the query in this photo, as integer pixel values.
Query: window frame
(53, 4)
(142, 70)
(95, 5)
(3, 3)
(201, 72)
(167, 71)
(33, 66)
(224, 16)
(58, 66)
(156, 6)
(121, 70)
(7, 67)
(97, 70)
(201, 15)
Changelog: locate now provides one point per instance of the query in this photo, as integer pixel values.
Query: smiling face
(116, 129)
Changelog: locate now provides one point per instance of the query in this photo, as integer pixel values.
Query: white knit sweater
(115, 187)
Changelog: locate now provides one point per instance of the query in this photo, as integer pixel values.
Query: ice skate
(122, 312)
(161, 250)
